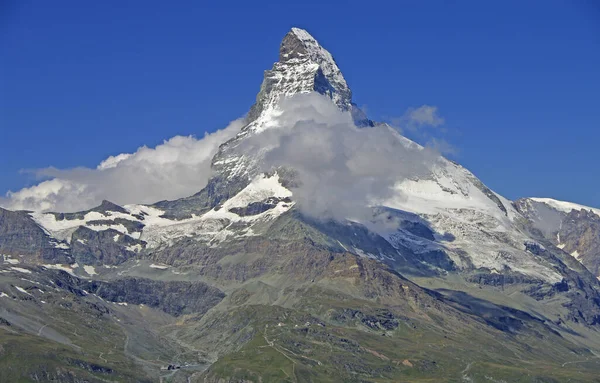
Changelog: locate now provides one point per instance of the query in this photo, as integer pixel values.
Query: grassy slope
(355, 353)
(28, 358)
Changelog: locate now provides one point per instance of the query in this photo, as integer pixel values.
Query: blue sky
(518, 83)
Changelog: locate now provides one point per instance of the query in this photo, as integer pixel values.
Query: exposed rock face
(72, 237)
(255, 208)
(574, 229)
(580, 236)
(174, 297)
(222, 186)
(21, 236)
(106, 247)
(103, 208)
(304, 66)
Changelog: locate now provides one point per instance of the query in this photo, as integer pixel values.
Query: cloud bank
(178, 167)
(342, 170)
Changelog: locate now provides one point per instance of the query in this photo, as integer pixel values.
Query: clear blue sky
(518, 82)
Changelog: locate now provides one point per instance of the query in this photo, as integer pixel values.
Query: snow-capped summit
(451, 200)
(299, 44)
(304, 66)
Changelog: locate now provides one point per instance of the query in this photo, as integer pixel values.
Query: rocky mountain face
(19, 234)
(572, 228)
(444, 280)
(303, 66)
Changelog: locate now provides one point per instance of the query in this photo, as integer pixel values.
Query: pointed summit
(298, 43)
(304, 66)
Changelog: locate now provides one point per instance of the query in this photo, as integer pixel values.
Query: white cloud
(415, 118)
(425, 115)
(49, 194)
(177, 168)
(113, 161)
(416, 121)
(442, 146)
(343, 170)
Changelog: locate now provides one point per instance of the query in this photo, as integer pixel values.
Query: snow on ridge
(453, 202)
(259, 189)
(160, 267)
(447, 190)
(62, 229)
(22, 290)
(8, 259)
(213, 225)
(68, 268)
(21, 270)
(61, 245)
(302, 34)
(321, 56)
(152, 215)
(564, 206)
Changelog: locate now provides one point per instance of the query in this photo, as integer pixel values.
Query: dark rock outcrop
(106, 247)
(20, 235)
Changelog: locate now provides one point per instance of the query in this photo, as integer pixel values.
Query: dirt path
(272, 344)
(466, 377)
(41, 329)
(580, 361)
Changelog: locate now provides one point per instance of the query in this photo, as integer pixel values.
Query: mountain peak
(298, 43)
(304, 66)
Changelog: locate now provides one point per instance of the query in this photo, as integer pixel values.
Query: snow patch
(59, 266)
(9, 260)
(91, 270)
(134, 248)
(362, 254)
(212, 227)
(61, 245)
(564, 206)
(160, 267)
(342, 245)
(21, 270)
(22, 290)
(62, 229)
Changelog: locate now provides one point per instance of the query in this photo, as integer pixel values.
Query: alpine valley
(304, 259)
